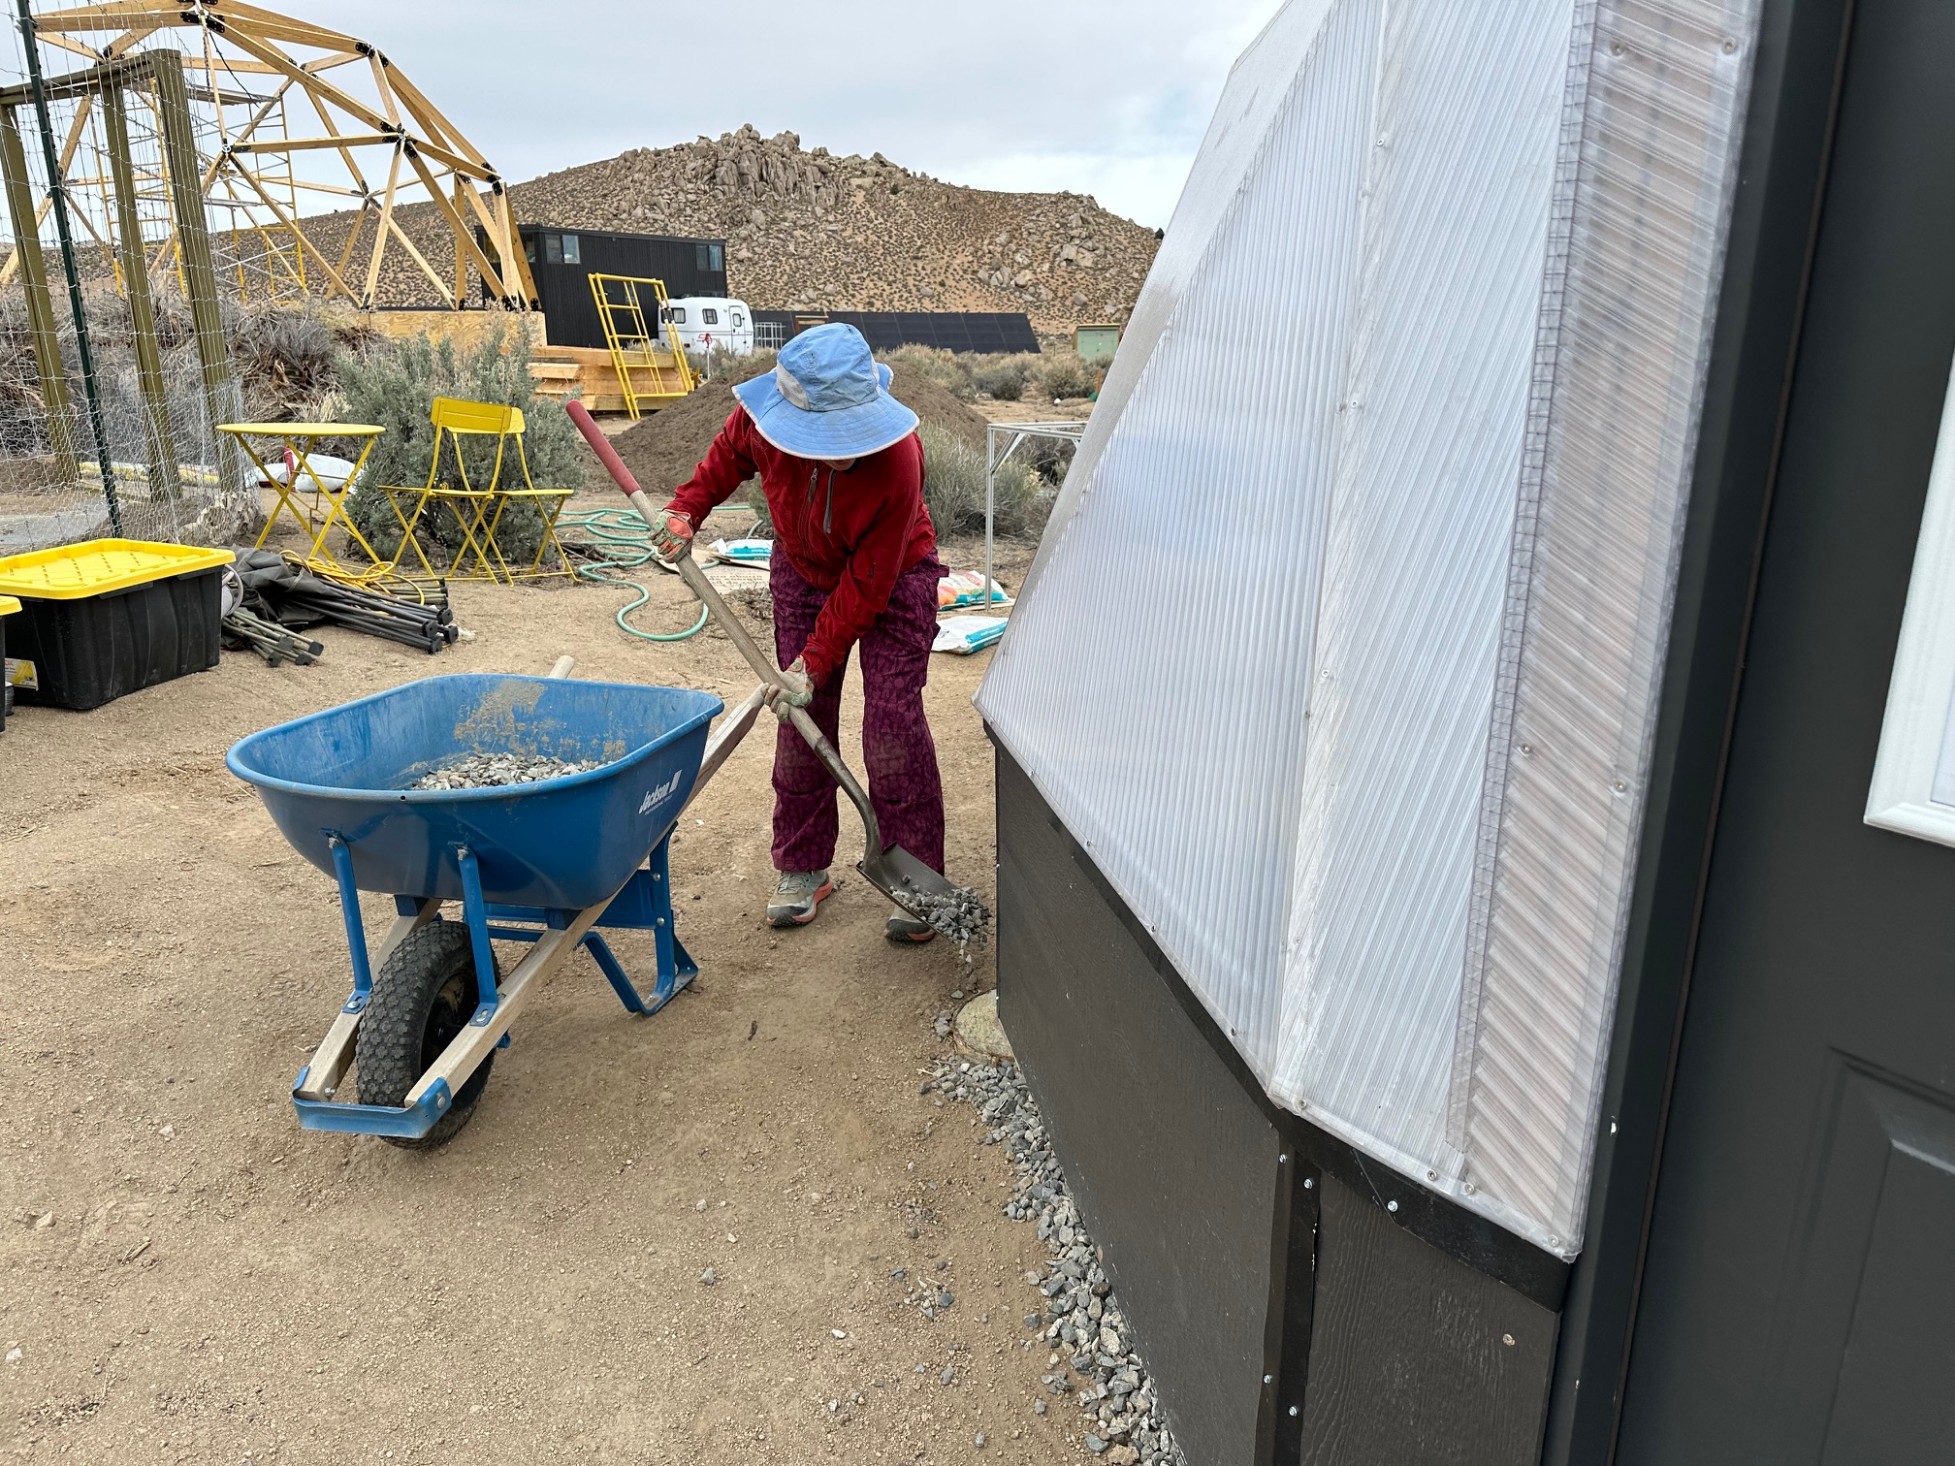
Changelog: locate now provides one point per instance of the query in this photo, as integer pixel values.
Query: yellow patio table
(301, 441)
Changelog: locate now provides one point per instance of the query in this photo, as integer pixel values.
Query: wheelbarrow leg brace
(645, 904)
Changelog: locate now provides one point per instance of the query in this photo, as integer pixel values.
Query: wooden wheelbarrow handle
(762, 664)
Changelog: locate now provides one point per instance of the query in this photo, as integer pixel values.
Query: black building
(563, 260)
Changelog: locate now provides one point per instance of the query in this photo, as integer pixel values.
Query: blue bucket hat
(827, 397)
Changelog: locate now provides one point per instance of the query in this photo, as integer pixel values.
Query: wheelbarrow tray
(563, 844)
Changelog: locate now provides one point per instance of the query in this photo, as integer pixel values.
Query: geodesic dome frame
(292, 114)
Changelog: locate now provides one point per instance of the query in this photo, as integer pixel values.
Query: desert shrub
(953, 488)
(945, 368)
(1049, 458)
(287, 353)
(1066, 374)
(1004, 377)
(396, 389)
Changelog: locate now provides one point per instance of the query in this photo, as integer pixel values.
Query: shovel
(891, 869)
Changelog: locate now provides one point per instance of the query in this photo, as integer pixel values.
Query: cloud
(1101, 98)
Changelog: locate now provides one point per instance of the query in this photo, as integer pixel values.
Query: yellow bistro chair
(478, 510)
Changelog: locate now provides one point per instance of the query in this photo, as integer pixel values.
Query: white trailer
(712, 322)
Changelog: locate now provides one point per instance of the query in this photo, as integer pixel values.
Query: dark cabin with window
(563, 260)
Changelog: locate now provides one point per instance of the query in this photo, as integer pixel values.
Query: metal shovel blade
(897, 873)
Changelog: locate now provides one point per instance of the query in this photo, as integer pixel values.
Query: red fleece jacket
(850, 533)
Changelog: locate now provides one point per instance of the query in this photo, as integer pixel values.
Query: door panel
(1800, 1275)
(1896, 1396)
(1870, 1322)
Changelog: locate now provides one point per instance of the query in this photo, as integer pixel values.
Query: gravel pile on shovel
(960, 915)
(1091, 1358)
(489, 770)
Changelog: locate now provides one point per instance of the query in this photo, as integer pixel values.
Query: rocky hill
(807, 229)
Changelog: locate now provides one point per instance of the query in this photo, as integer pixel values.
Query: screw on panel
(1471, 1189)
(1527, 750)
(1293, 1410)
(1622, 786)
(1729, 45)
(1282, 1160)
(1269, 1379)
(1508, 1340)
(1391, 1206)
(1309, 1182)
(1432, 1175)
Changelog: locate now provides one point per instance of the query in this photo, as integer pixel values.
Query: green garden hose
(631, 538)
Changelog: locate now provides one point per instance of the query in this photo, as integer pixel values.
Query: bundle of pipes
(283, 590)
(429, 624)
(270, 640)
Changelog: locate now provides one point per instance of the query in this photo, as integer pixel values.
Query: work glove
(674, 538)
(797, 691)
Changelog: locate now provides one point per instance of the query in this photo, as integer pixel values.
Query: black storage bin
(6, 689)
(94, 649)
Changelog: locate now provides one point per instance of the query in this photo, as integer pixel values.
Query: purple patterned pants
(897, 750)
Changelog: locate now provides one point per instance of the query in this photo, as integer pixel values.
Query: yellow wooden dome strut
(254, 71)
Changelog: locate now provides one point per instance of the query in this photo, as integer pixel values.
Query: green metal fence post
(58, 194)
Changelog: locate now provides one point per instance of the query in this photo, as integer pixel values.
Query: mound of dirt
(664, 449)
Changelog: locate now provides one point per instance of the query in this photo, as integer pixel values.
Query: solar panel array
(980, 331)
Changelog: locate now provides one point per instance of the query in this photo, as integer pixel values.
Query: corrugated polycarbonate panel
(1260, 83)
(1461, 177)
(1593, 582)
(1341, 653)
(1194, 573)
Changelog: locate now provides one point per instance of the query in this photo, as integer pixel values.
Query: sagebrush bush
(945, 368)
(395, 388)
(1067, 374)
(953, 488)
(1004, 377)
(287, 353)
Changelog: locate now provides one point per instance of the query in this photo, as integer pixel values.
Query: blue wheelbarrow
(550, 863)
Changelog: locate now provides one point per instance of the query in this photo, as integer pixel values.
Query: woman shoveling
(854, 565)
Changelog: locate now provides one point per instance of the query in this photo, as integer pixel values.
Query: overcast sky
(1104, 97)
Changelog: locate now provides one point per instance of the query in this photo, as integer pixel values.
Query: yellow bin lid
(96, 567)
(8, 605)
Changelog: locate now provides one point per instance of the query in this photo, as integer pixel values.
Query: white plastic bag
(962, 635)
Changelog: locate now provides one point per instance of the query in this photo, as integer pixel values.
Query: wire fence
(131, 446)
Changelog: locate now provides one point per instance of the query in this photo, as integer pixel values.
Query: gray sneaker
(900, 926)
(797, 896)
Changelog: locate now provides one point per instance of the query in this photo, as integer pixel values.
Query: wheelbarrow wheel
(423, 995)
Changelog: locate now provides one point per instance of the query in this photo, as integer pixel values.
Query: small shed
(1474, 756)
(1096, 343)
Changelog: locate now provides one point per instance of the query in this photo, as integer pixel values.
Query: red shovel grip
(601, 446)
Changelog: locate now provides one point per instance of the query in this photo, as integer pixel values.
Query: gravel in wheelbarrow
(564, 842)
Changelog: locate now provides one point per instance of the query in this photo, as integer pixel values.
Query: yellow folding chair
(477, 510)
(548, 504)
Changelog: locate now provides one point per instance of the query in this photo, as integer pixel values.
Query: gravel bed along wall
(1090, 1360)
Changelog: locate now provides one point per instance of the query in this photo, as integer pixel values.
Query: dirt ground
(187, 1276)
